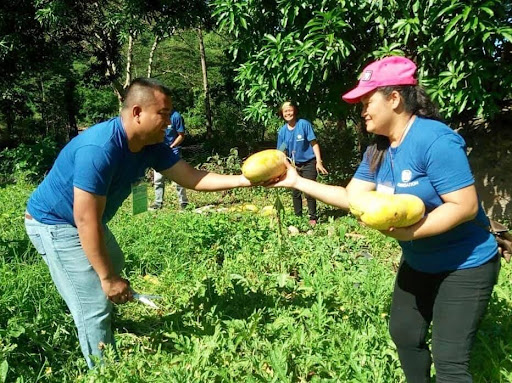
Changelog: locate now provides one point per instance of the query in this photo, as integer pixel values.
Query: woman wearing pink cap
(450, 263)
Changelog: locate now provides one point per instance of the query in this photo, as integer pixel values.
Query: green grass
(239, 305)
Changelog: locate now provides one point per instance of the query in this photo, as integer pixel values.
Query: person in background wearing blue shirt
(297, 139)
(450, 262)
(174, 136)
(67, 215)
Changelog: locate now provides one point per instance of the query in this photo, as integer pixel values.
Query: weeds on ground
(237, 305)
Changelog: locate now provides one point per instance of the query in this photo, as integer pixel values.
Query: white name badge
(387, 189)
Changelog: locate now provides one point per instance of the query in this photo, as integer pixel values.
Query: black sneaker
(155, 206)
(183, 206)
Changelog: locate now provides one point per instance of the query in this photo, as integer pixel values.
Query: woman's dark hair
(416, 101)
(286, 103)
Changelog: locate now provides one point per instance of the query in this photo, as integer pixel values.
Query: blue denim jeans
(77, 282)
(159, 183)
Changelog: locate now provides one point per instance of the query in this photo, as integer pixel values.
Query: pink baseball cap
(393, 70)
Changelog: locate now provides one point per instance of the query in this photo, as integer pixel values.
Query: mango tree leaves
(313, 50)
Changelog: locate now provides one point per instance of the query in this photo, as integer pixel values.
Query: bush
(27, 161)
(98, 104)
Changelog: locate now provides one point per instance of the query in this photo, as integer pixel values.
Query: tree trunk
(116, 84)
(152, 55)
(9, 125)
(43, 108)
(129, 60)
(209, 131)
(107, 43)
(72, 128)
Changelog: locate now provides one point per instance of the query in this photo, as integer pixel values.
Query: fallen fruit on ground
(250, 207)
(264, 166)
(268, 211)
(381, 210)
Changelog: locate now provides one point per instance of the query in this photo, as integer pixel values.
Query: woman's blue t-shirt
(297, 141)
(431, 161)
(100, 162)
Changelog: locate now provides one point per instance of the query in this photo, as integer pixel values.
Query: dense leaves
(313, 50)
(59, 59)
(238, 303)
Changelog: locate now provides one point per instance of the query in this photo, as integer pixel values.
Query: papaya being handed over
(264, 166)
(381, 210)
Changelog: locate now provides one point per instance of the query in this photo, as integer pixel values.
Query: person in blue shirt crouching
(67, 215)
(297, 139)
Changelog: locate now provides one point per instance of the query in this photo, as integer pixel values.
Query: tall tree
(100, 27)
(34, 69)
(156, 40)
(312, 50)
(204, 70)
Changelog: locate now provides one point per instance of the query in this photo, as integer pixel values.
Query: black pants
(306, 170)
(454, 302)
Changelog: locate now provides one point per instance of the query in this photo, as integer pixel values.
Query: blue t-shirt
(100, 162)
(431, 161)
(297, 142)
(177, 126)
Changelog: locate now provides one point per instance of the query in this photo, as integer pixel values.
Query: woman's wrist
(299, 183)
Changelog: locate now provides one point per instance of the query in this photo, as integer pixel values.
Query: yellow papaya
(264, 166)
(415, 209)
(381, 210)
(268, 211)
(250, 207)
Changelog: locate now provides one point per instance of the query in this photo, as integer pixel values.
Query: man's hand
(244, 181)
(117, 289)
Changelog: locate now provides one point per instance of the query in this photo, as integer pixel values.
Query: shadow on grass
(209, 308)
(18, 251)
(332, 212)
(491, 355)
(248, 311)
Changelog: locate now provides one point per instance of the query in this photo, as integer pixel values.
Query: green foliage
(60, 61)
(27, 161)
(237, 306)
(340, 151)
(228, 165)
(177, 63)
(314, 51)
(98, 104)
(34, 327)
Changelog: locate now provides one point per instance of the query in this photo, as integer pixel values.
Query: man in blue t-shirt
(174, 136)
(67, 215)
